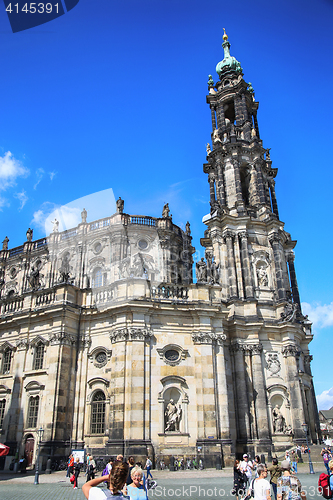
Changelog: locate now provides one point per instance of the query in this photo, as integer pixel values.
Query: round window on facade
(13, 272)
(98, 247)
(100, 359)
(143, 244)
(171, 355)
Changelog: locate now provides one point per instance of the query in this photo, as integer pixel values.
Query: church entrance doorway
(29, 449)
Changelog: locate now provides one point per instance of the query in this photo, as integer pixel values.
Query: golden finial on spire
(225, 36)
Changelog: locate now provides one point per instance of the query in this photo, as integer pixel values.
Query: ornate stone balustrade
(172, 292)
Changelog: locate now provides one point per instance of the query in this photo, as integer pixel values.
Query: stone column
(254, 199)
(118, 339)
(211, 180)
(242, 404)
(238, 185)
(293, 280)
(81, 418)
(246, 117)
(222, 388)
(246, 265)
(275, 242)
(260, 393)
(247, 349)
(220, 189)
(231, 264)
(238, 265)
(212, 110)
(220, 118)
(291, 353)
(261, 188)
(273, 198)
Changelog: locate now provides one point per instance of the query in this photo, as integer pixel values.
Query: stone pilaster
(293, 280)
(278, 252)
(246, 265)
(238, 265)
(220, 118)
(220, 188)
(212, 111)
(273, 198)
(231, 264)
(260, 392)
(243, 410)
(238, 186)
(291, 353)
(260, 181)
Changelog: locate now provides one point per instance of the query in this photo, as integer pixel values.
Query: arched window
(7, 361)
(2, 411)
(39, 357)
(97, 279)
(98, 413)
(33, 412)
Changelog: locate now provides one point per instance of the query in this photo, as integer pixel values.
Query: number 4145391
(33, 8)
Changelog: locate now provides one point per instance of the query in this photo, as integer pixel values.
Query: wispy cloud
(52, 174)
(320, 315)
(325, 399)
(22, 197)
(10, 170)
(39, 175)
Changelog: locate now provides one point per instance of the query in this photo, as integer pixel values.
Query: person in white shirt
(260, 485)
(246, 466)
(117, 479)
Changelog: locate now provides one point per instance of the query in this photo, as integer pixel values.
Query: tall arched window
(39, 357)
(2, 411)
(7, 361)
(98, 413)
(97, 279)
(33, 411)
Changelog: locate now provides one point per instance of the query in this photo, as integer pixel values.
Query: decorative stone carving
(84, 214)
(130, 334)
(29, 234)
(188, 228)
(172, 416)
(208, 338)
(22, 344)
(290, 350)
(61, 338)
(85, 340)
(172, 354)
(55, 223)
(120, 205)
(208, 150)
(124, 268)
(5, 243)
(214, 273)
(65, 270)
(290, 311)
(201, 271)
(216, 137)
(166, 211)
(262, 276)
(273, 363)
(246, 348)
(35, 276)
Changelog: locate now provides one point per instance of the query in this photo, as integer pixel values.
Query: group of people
(123, 480)
(251, 477)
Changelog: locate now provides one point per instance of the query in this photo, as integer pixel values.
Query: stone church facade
(108, 344)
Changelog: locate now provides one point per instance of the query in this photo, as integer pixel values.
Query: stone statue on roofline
(29, 234)
(84, 214)
(166, 211)
(120, 205)
(201, 271)
(5, 243)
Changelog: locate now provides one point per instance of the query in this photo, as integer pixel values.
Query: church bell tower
(245, 239)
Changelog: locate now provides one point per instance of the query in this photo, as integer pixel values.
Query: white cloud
(52, 174)
(22, 197)
(10, 169)
(39, 174)
(325, 399)
(320, 315)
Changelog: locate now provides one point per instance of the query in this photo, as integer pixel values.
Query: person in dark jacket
(239, 479)
(275, 472)
(77, 468)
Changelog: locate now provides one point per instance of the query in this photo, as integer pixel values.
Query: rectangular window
(98, 417)
(33, 412)
(2, 411)
(39, 357)
(7, 360)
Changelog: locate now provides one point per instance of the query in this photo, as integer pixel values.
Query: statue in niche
(201, 271)
(216, 137)
(188, 228)
(166, 211)
(123, 268)
(55, 223)
(5, 243)
(262, 276)
(65, 269)
(29, 234)
(33, 278)
(279, 421)
(139, 269)
(215, 272)
(208, 150)
(172, 416)
(273, 363)
(120, 205)
(84, 214)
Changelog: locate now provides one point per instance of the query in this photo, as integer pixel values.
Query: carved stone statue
(55, 223)
(120, 205)
(29, 234)
(5, 243)
(201, 271)
(208, 148)
(216, 137)
(33, 278)
(279, 421)
(188, 228)
(290, 310)
(64, 269)
(173, 416)
(262, 276)
(84, 214)
(166, 211)
(214, 272)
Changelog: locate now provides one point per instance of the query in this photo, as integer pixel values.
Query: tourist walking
(77, 468)
(91, 468)
(294, 460)
(260, 486)
(239, 480)
(246, 466)
(70, 465)
(326, 454)
(289, 486)
(148, 467)
(275, 472)
(116, 478)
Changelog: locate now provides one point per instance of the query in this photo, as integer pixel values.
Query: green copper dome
(229, 63)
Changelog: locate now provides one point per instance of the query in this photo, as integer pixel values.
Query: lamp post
(305, 429)
(40, 435)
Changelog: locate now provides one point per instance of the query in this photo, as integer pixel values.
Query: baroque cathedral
(108, 344)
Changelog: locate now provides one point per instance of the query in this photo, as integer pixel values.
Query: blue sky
(112, 96)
